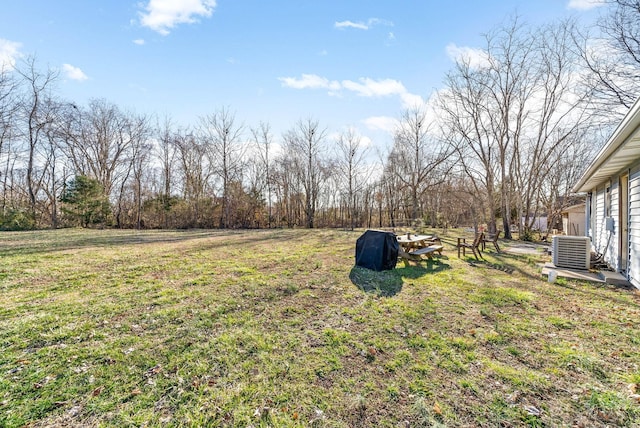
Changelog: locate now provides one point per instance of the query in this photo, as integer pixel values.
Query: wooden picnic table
(410, 241)
(415, 246)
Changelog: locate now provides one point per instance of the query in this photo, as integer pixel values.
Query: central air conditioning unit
(572, 252)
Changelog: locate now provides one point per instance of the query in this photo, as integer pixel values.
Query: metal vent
(572, 252)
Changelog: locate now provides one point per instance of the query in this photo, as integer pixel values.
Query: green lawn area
(277, 328)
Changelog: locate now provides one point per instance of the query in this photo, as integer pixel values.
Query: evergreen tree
(84, 201)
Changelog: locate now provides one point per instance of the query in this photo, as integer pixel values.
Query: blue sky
(356, 63)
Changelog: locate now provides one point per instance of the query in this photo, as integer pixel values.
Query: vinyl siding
(634, 228)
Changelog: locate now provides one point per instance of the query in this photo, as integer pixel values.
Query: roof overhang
(574, 208)
(621, 151)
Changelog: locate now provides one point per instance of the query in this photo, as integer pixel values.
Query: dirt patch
(526, 248)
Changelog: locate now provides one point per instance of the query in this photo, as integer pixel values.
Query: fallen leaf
(136, 391)
(154, 370)
(532, 410)
(513, 397)
(436, 408)
(97, 391)
(74, 411)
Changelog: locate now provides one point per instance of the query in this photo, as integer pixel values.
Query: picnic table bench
(416, 255)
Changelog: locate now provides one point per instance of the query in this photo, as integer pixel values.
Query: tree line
(500, 144)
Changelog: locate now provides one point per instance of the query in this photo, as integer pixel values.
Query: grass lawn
(277, 328)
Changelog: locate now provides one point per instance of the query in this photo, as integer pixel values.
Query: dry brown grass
(277, 328)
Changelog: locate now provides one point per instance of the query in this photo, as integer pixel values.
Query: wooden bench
(425, 251)
(428, 251)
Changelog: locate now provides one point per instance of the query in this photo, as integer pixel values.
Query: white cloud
(378, 21)
(366, 141)
(585, 4)
(364, 87)
(367, 87)
(371, 22)
(310, 81)
(412, 101)
(382, 123)
(9, 52)
(139, 42)
(475, 57)
(74, 73)
(163, 15)
(351, 24)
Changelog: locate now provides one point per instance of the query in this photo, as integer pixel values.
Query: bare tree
(613, 59)
(510, 117)
(140, 159)
(166, 154)
(8, 112)
(555, 121)
(36, 114)
(421, 161)
(8, 105)
(195, 173)
(223, 137)
(466, 118)
(305, 144)
(263, 139)
(98, 142)
(351, 168)
(54, 165)
(288, 189)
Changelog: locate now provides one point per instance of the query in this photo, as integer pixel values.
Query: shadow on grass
(503, 264)
(618, 294)
(503, 267)
(41, 242)
(389, 283)
(384, 283)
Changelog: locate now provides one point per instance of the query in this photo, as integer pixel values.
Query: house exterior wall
(605, 202)
(573, 224)
(617, 163)
(605, 205)
(611, 237)
(634, 227)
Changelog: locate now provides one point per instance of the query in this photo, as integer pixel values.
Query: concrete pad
(614, 278)
(525, 248)
(582, 275)
(600, 277)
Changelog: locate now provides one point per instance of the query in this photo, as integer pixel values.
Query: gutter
(625, 128)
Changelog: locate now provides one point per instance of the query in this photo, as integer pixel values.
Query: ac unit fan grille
(572, 252)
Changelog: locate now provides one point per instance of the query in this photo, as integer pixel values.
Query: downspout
(587, 226)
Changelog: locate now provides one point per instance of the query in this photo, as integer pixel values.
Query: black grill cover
(377, 250)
